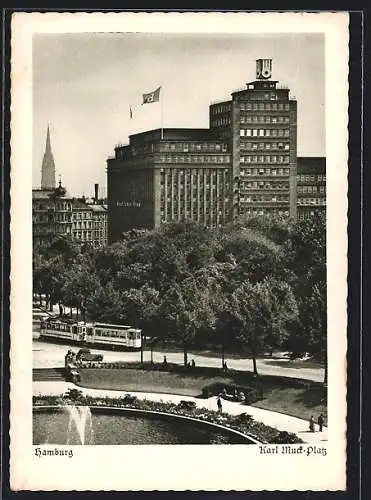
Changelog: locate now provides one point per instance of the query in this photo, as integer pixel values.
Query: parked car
(87, 355)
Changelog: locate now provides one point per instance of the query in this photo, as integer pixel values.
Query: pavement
(279, 421)
(51, 355)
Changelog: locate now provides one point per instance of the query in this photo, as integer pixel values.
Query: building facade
(51, 214)
(311, 186)
(244, 164)
(168, 175)
(260, 124)
(99, 215)
(55, 212)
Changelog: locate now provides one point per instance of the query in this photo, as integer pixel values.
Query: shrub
(129, 399)
(187, 405)
(243, 423)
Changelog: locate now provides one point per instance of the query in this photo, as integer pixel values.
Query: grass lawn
(296, 401)
(147, 381)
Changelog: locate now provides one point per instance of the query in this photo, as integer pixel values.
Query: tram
(103, 334)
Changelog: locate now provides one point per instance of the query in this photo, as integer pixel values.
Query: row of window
(244, 145)
(116, 333)
(305, 214)
(311, 189)
(194, 214)
(249, 132)
(265, 159)
(41, 218)
(220, 108)
(82, 235)
(221, 122)
(193, 146)
(82, 225)
(264, 199)
(194, 159)
(311, 178)
(82, 215)
(264, 106)
(264, 185)
(193, 188)
(262, 212)
(194, 171)
(63, 206)
(264, 119)
(265, 171)
(311, 201)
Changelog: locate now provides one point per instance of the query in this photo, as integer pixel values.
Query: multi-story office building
(260, 124)
(244, 164)
(311, 186)
(168, 175)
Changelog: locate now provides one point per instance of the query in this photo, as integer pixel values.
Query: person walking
(311, 424)
(219, 403)
(321, 421)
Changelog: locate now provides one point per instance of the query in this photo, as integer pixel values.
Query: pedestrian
(219, 403)
(165, 360)
(321, 421)
(225, 367)
(311, 424)
(193, 363)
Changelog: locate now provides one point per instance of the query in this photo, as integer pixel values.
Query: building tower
(260, 124)
(48, 166)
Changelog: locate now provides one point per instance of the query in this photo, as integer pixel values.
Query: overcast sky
(83, 85)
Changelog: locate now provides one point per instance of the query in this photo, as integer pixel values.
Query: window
(255, 132)
(261, 132)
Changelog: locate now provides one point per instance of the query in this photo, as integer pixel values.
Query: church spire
(48, 165)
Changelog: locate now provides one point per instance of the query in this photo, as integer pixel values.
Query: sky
(85, 83)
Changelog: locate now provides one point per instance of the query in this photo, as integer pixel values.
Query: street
(47, 355)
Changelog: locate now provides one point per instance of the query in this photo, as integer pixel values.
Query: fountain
(79, 422)
(75, 424)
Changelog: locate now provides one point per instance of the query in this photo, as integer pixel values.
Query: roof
(311, 165)
(175, 134)
(46, 194)
(79, 205)
(98, 208)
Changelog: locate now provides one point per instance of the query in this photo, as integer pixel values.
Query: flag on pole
(130, 112)
(151, 96)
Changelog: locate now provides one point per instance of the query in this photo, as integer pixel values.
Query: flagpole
(162, 112)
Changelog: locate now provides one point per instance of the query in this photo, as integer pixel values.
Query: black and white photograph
(181, 204)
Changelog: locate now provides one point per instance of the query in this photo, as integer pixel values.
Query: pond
(107, 426)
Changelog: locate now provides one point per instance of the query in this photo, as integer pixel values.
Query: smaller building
(99, 213)
(82, 222)
(311, 186)
(51, 214)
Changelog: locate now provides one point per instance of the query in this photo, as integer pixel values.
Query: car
(87, 355)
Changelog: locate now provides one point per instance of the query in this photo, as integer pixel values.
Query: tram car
(103, 334)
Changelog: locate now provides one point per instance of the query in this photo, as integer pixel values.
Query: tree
(186, 309)
(266, 311)
(141, 308)
(310, 336)
(105, 304)
(80, 283)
